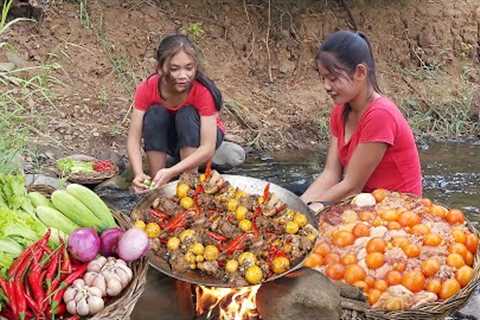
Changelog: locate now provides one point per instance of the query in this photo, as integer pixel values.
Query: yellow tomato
(186, 202)
(203, 177)
(245, 225)
(240, 194)
(231, 266)
(193, 266)
(241, 213)
(182, 190)
(197, 248)
(300, 219)
(280, 264)
(173, 244)
(291, 227)
(199, 258)
(186, 234)
(190, 257)
(232, 205)
(152, 230)
(254, 275)
(211, 253)
(290, 214)
(139, 224)
(247, 257)
(260, 200)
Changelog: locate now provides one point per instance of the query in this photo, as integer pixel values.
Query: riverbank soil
(87, 56)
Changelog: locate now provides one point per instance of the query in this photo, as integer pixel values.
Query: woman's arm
(134, 148)
(331, 175)
(364, 161)
(206, 150)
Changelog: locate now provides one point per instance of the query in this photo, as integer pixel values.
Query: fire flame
(233, 303)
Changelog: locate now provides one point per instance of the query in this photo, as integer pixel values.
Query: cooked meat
(226, 228)
(210, 267)
(189, 178)
(168, 206)
(333, 217)
(178, 263)
(248, 202)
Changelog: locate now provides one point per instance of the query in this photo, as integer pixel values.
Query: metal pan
(247, 184)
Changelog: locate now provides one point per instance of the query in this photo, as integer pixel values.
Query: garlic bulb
(110, 275)
(82, 299)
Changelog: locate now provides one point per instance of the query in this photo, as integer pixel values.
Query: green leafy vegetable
(68, 166)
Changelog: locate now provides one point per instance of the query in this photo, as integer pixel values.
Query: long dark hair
(344, 51)
(172, 44)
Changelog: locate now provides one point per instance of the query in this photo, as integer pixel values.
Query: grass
(23, 90)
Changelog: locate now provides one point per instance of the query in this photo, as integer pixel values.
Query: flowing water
(451, 177)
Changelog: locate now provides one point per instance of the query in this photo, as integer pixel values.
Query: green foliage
(194, 30)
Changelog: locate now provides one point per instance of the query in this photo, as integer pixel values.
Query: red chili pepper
(19, 297)
(75, 275)
(236, 244)
(266, 193)
(66, 264)
(158, 214)
(176, 222)
(32, 304)
(208, 169)
(19, 262)
(53, 265)
(275, 252)
(216, 236)
(7, 287)
(199, 189)
(35, 281)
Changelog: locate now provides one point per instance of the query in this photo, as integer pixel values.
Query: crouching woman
(176, 113)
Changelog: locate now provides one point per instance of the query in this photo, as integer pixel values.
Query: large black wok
(247, 184)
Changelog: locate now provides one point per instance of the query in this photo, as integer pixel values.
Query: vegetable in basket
(109, 241)
(133, 244)
(68, 166)
(74, 209)
(82, 299)
(110, 275)
(84, 244)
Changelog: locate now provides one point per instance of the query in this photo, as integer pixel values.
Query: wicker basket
(88, 178)
(357, 309)
(122, 307)
(119, 307)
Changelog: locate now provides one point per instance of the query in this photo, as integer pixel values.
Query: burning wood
(227, 303)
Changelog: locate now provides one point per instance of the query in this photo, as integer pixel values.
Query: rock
(472, 308)
(229, 155)
(304, 295)
(32, 179)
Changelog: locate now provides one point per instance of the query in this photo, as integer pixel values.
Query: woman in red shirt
(371, 143)
(176, 113)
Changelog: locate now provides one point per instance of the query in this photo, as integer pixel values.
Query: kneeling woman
(371, 143)
(176, 113)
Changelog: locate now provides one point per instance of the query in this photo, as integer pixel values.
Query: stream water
(451, 177)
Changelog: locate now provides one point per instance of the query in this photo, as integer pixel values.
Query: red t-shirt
(147, 94)
(399, 170)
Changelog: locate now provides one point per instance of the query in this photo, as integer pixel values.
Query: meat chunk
(178, 263)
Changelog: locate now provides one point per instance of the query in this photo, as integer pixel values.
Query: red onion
(84, 244)
(110, 239)
(132, 245)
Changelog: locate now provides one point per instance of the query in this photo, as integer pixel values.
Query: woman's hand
(162, 177)
(138, 183)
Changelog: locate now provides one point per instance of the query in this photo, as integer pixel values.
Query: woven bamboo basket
(120, 307)
(88, 178)
(356, 308)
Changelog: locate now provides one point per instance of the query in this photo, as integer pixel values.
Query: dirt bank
(259, 52)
